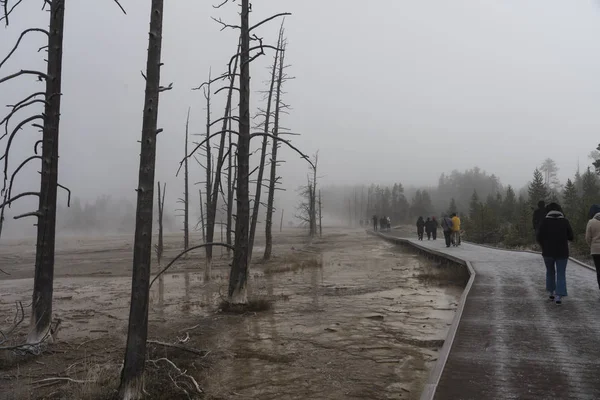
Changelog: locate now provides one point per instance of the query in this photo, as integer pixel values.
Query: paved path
(513, 343)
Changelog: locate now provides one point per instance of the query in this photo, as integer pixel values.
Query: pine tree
(452, 208)
(427, 204)
(571, 202)
(509, 205)
(474, 205)
(537, 189)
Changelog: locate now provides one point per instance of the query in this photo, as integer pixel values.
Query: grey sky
(387, 90)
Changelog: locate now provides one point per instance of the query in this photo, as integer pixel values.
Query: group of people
(382, 224)
(450, 226)
(553, 233)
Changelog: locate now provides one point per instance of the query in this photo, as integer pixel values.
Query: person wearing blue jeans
(553, 235)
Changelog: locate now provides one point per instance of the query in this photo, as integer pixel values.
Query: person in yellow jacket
(455, 230)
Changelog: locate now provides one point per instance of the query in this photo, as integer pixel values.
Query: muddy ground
(352, 317)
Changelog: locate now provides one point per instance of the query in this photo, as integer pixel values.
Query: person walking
(538, 215)
(553, 235)
(455, 230)
(447, 229)
(375, 223)
(434, 228)
(428, 228)
(592, 236)
(420, 228)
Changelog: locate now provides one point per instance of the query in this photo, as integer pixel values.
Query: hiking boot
(558, 300)
(551, 297)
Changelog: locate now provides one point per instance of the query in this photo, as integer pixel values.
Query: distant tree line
(491, 212)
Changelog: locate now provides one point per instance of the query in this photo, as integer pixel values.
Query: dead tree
(41, 316)
(263, 150)
(186, 189)
(201, 222)
(239, 270)
(161, 207)
(274, 147)
(320, 215)
(132, 373)
(307, 209)
(210, 221)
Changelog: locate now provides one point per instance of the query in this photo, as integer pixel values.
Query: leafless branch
(185, 252)
(200, 145)
(164, 89)
(12, 136)
(179, 347)
(68, 193)
(225, 25)
(29, 214)
(39, 74)
(121, 7)
(7, 12)
(219, 78)
(17, 197)
(12, 177)
(26, 31)
(268, 19)
(287, 142)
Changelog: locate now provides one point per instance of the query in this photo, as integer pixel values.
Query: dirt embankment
(352, 317)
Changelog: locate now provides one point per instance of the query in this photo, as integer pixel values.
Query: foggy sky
(385, 90)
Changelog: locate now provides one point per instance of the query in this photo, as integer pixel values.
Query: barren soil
(352, 317)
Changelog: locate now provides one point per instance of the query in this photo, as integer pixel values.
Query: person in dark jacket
(428, 228)
(434, 228)
(538, 215)
(447, 228)
(553, 234)
(420, 228)
(375, 223)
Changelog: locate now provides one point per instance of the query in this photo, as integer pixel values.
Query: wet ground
(352, 317)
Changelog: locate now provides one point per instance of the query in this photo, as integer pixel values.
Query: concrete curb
(436, 373)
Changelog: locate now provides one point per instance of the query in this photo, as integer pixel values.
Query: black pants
(434, 234)
(420, 234)
(428, 235)
(375, 226)
(596, 258)
(447, 237)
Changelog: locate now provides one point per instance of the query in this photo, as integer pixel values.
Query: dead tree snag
(132, 374)
(161, 207)
(263, 153)
(274, 147)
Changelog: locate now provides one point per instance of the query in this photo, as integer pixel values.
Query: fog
(386, 91)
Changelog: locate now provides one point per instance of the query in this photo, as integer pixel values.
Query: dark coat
(428, 226)
(554, 234)
(538, 216)
(420, 224)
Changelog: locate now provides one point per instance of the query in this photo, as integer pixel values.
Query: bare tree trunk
(41, 313)
(132, 374)
(314, 197)
(355, 209)
(161, 208)
(186, 190)
(212, 208)
(263, 155)
(281, 222)
(320, 216)
(230, 189)
(210, 220)
(274, 147)
(239, 269)
(202, 218)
